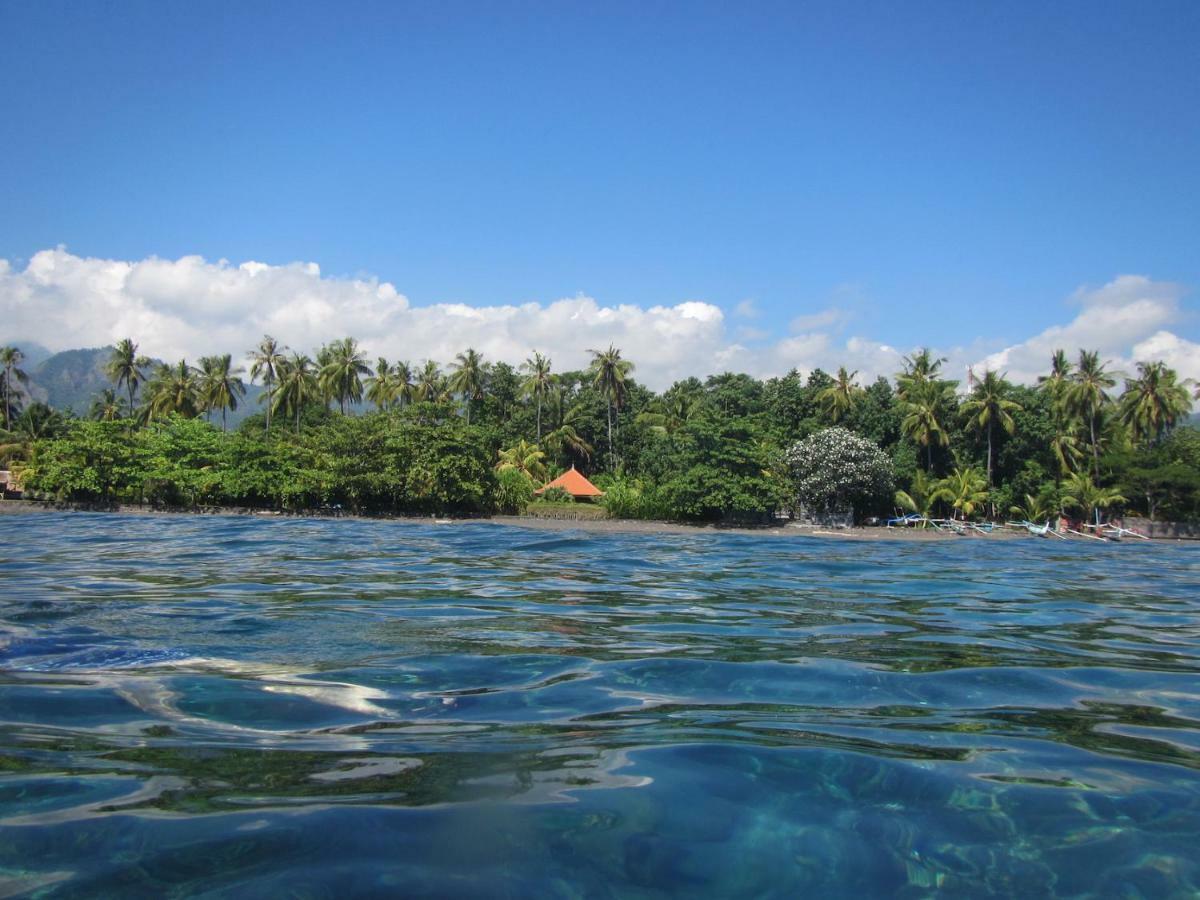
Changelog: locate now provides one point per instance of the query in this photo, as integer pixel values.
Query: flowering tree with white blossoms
(835, 470)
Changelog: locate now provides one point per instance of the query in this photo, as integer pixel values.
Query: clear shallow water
(245, 707)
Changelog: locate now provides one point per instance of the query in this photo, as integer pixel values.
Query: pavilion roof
(574, 484)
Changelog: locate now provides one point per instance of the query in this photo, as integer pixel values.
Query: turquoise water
(219, 706)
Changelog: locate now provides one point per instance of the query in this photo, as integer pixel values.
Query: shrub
(835, 470)
(557, 495)
(514, 491)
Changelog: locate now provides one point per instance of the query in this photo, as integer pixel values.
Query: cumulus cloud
(191, 307)
(1125, 320)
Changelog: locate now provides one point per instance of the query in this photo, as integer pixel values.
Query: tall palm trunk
(611, 454)
(130, 384)
(224, 409)
(270, 401)
(989, 453)
(1095, 452)
(539, 419)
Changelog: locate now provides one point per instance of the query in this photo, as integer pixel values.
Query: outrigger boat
(1039, 530)
(1112, 532)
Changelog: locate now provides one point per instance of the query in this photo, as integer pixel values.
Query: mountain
(72, 379)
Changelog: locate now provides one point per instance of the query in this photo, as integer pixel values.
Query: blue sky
(940, 172)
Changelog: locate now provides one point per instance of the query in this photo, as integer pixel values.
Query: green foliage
(836, 470)
(556, 495)
(708, 449)
(514, 491)
(715, 468)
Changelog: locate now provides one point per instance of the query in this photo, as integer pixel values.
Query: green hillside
(72, 379)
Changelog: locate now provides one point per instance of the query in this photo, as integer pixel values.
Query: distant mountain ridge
(72, 379)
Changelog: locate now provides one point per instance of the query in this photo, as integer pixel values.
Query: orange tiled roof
(574, 484)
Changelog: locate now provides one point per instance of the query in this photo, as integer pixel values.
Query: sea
(246, 706)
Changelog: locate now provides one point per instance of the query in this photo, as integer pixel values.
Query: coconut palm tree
(989, 406)
(919, 369)
(537, 383)
(431, 385)
(965, 488)
(266, 360)
(669, 413)
(106, 407)
(840, 398)
(402, 378)
(1035, 509)
(342, 368)
(524, 457)
(609, 373)
(924, 411)
(37, 422)
(468, 377)
(1055, 384)
(125, 367)
(11, 359)
(563, 438)
(1066, 448)
(1087, 395)
(1080, 492)
(921, 497)
(221, 385)
(173, 389)
(1153, 402)
(381, 388)
(298, 386)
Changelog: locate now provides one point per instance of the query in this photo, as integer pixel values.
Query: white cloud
(747, 309)
(1124, 320)
(190, 307)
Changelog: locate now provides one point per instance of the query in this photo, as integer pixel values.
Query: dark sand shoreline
(596, 526)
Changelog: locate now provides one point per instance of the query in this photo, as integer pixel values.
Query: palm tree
(468, 378)
(1065, 447)
(919, 369)
(921, 497)
(924, 411)
(1034, 509)
(1080, 492)
(988, 406)
(11, 359)
(174, 389)
(220, 385)
(537, 383)
(298, 386)
(431, 386)
(402, 378)
(1056, 382)
(1154, 402)
(342, 368)
(965, 489)
(106, 407)
(1087, 395)
(381, 388)
(669, 413)
(524, 457)
(37, 422)
(266, 360)
(127, 368)
(609, 373)
(840, 398)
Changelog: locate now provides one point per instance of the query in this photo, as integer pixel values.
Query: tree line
(701, 449)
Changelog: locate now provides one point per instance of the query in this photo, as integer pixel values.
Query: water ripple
(194, 705)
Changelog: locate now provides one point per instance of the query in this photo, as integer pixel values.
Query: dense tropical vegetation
(335, 431)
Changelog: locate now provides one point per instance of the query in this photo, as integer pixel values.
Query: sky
(752, 187)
